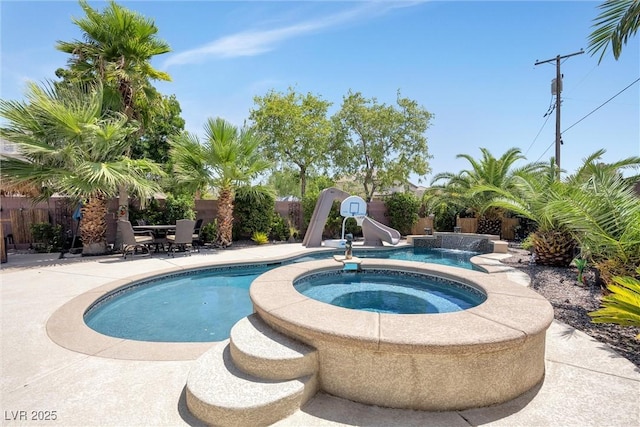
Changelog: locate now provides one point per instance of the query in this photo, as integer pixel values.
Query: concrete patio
(586, 384)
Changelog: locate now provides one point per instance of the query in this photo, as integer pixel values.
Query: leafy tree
(617, 22)
(164, 123)
(402, 209)
(380, 145)
(286, 182)
(68, 145)
(229, 158)
(296, 129)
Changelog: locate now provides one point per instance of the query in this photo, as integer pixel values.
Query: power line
(587, 115)
(547, 115)
(603, 104)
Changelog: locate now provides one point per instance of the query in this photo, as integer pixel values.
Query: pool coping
(66, 326)
(481, 328)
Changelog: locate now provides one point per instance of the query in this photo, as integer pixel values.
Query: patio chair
(196, 232)
(183, 237)
(132, 241)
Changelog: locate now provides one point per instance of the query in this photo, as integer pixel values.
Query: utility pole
(558, 88)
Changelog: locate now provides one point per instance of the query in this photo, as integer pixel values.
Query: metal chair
(132, 241)
(183, 237)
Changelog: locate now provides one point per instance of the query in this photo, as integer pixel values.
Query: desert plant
(294, 233)
(622, 305)
(69, 145)
(260, 238)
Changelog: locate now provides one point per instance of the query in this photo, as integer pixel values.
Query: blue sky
(471, 64)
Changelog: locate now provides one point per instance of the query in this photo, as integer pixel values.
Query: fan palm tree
(117, 49)
(68, 145)
(228, 158)
(618, 20)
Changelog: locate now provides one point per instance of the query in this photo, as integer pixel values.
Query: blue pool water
(202, 306)
(384, 291)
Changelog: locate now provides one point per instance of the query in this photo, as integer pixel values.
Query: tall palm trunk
(225, 217)
(93, 226)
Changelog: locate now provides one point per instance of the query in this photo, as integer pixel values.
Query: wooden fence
(470, 225)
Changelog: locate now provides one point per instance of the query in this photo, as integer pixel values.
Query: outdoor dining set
(183, 236)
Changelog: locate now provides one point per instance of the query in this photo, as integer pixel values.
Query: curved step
(259, 350)
(220, 394)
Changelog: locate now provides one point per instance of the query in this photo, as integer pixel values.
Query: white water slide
(374, 232)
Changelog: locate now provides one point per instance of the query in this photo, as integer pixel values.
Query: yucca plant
(622, 305)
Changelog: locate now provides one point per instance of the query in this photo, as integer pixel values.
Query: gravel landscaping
(572, 301)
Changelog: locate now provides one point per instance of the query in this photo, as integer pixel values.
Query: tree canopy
(296, 129)
(380, 145)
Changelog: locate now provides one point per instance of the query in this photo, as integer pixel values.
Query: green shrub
(279, 228)
(254, 210)
(47, 237)
(402, 209)
(179, 207)
(209, 231)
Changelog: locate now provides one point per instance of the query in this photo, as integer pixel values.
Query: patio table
(159, 233)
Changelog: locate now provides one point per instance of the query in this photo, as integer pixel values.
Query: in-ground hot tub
(480, 356)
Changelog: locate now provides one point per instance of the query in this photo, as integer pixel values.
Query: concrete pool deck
(586, 384)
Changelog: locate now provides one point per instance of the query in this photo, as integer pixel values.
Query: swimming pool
(203, 305)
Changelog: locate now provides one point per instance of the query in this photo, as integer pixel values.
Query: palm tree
(228, 158)
(618, 20)
(622, 305)
(529, 196)
(68, 145)
(117, 49)
(602, 210)
(595, 209)
(463, 188)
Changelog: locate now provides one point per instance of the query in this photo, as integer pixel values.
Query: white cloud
(256, 42)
